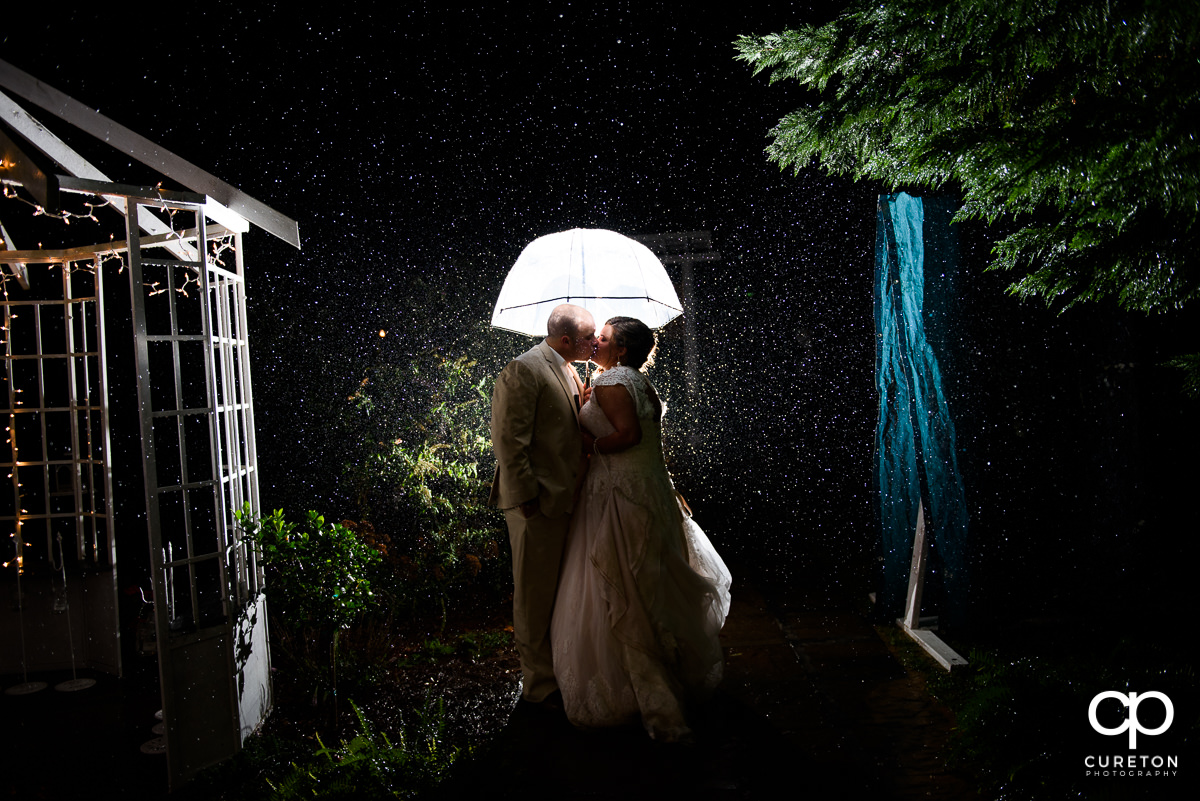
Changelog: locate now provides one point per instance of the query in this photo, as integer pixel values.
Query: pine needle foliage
(1074, 122)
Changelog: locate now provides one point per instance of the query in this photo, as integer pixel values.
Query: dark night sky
(408, 130)
(431, 145)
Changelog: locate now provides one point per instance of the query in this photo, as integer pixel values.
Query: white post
(911, 623)
(916, 573)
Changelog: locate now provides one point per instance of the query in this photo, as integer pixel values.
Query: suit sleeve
(514, 409)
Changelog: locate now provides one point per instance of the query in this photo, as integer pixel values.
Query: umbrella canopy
(608, 274)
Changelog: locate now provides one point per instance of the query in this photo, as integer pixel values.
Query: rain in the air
(573, 400)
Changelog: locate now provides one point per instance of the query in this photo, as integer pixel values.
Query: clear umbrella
(608, 274)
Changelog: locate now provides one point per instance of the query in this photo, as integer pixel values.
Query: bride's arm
(618, 406)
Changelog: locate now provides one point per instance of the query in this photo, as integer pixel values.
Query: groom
(539, 457)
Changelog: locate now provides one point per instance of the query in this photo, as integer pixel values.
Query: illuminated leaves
(1075, 121)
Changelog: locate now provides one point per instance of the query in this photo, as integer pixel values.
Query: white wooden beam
(18, 268)
(89, 252)
(19, 167)
(935, 647)
(915, 626)
(150, 154)
(916, 572)
(65, 156)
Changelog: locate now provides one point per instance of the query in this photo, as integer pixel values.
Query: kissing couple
(618, 596)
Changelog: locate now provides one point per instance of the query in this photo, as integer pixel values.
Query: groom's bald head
(571, 331)
(569, 320)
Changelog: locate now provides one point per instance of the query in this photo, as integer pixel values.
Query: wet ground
(813, 704)
(82, 744)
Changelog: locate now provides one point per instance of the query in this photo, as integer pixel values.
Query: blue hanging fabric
(914, 449)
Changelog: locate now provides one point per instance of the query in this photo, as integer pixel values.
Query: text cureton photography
(1125, 706)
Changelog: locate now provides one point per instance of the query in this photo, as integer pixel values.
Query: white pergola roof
(225, 204)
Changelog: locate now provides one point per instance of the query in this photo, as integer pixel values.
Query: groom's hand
(589, 442)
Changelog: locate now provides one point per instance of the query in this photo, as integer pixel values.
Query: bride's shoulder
(615, 375)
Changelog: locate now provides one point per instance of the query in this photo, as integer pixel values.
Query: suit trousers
(537, 549)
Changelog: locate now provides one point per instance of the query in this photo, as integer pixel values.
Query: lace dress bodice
(639, 463)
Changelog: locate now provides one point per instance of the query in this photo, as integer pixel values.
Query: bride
(642, 594)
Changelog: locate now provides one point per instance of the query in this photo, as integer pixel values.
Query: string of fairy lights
(10, 430)
(64, 215)
(213, 252)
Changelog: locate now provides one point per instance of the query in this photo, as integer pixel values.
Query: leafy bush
(318, 575)
(419, 470)
(1189, 367)
(416, 457)
(368, 765)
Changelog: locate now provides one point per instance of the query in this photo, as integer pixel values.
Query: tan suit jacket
(535, 434)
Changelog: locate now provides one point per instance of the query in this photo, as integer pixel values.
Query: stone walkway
(813, 704)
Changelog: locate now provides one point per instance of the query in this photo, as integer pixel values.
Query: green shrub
(318, 575)
(419, 470)
(370, 766)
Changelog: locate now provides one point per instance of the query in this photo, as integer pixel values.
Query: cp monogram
(1131, 700)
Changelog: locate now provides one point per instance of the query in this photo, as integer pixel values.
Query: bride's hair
(637, 339)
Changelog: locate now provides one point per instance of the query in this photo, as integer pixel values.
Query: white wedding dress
(642, 593)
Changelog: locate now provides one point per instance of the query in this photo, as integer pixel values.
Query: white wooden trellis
(194, 410)
(59, 498)
(196, 416)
